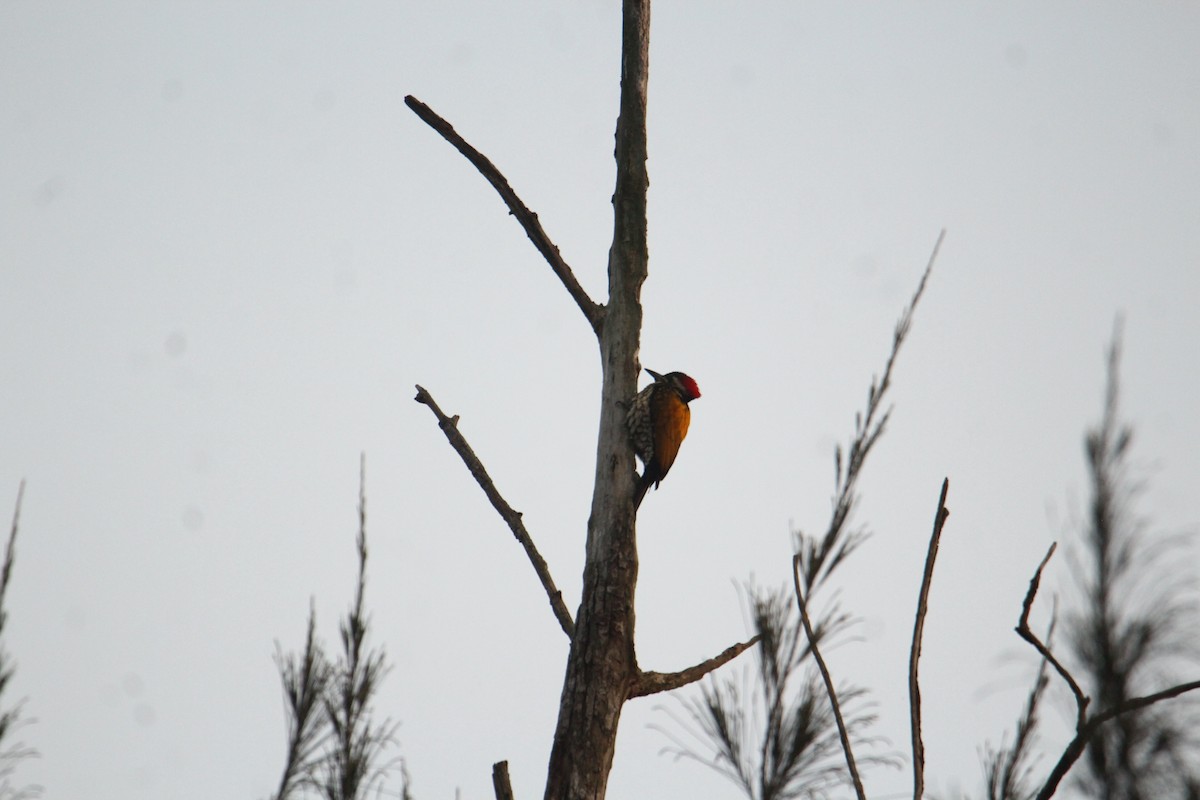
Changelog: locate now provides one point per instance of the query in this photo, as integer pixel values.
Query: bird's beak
(654, 374)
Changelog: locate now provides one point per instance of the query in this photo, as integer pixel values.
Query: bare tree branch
(647, 683)
(914, 686)
(1026, 633)
(500, 781)
(1085, 728)
(449, 426)
(828, 679)
(528, 219)
(1138, 703)
(1077, 745)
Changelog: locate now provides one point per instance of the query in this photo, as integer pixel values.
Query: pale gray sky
(227, 253)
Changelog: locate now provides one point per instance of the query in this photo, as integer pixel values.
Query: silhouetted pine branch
(305, 678)
(770, 730)
(820, 556)
(774, 733)
(1008, 770)
(351, 765)
(336, 745)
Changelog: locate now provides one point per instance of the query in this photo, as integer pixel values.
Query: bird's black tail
(643, 486)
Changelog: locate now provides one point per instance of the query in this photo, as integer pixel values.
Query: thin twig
(647, 683)
(528, 219)
(914, 686)
(449, 426)
(1026, 633)
(500, 781)
(828, 679)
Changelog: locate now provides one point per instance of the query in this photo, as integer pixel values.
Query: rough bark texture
(602, 666)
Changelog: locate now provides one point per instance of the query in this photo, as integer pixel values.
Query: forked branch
(1085, 727)
(528, 219)
(914, 657)
(1026, 633)
(654, 682)
(512, 517)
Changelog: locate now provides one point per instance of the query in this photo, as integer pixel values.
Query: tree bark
(602, 665)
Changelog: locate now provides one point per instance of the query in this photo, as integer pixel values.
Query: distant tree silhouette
(1134, 627)
(1131, 629)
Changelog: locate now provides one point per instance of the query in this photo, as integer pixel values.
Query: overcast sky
(228, 252)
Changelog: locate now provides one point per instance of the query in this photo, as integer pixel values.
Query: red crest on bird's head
(683, 382)
(689, 385)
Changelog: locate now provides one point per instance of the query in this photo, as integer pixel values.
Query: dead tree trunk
(602, 667)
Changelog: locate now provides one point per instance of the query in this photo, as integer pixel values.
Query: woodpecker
(658, 421)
